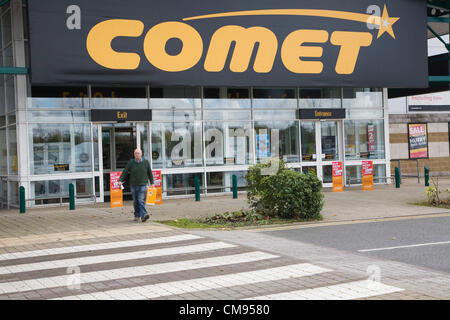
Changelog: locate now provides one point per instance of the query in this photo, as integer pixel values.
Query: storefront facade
(54, 134)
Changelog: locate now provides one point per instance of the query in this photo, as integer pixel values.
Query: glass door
(308, 140)
(329, 149)
(118, 144)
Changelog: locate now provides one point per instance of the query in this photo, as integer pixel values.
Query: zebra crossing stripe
(99, 246)
(130, 272)
(65, 263)
(345, 291)
(202, 284)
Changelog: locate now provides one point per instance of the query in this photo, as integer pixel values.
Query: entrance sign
(338, 179)
(116, 190)
(367, 175)
(158, 185)
(321, 113)
(324, 43)
(417, 140)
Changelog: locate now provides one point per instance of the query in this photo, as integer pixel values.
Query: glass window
(6, 29)
(223, 181)
(320, 98)
(364, 139)
(2, 96)
(327, 174)
(3, 154)
(95, 142)
(176, 145)
(274, 98)
(329, 139)
(13, 192)
(176, 115)
(308, 141)
(228, 115)
(175, 98)
(53, 191)
(59, 97)
(265, 115)
(228, 143)
(10, 95)
(181, 184)
(354, 174)
(60, 147)
(58, 116)
(144, 140)
(277, 139)
(363, 98)
(119, 98)
(12, 150)
(226, 98)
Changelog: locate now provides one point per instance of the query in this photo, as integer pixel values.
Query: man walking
(138, 171)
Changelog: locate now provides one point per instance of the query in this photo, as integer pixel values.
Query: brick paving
(34, 270)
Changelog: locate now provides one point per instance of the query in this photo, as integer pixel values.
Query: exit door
(118, 143)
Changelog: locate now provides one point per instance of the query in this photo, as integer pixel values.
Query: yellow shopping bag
(151, 196)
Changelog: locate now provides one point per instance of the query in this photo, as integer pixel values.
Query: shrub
(285, 194)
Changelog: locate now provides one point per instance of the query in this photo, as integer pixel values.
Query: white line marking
(98, 246)
(130, 272)
(208, 283)
(65, 263)
(410, 246)
(345, 291)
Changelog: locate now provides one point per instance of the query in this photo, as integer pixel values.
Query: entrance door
(329, 149)
(118, 143)
(320, 141)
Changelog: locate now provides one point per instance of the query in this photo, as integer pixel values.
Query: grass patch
(426, 204)
(232, 220)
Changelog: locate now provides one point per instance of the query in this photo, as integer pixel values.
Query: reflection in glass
(363, 98)
(329, 140)
(46, 192)
(119, 98)
(12, 150)
(277, 139)
(60, 147)
(327, 174)
(364, 139)
(181, 184)
(320, 98)
(228, 143)
(176, 145)
(3, 154)
(308, 140)
(59, 97)
(223, 181)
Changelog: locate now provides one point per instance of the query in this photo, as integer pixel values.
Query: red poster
(367, 173)
(116, 190)
(371, 137)
(158, 184)
(418, 140)
(338, 180)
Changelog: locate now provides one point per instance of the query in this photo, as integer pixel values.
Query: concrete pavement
(96, 252)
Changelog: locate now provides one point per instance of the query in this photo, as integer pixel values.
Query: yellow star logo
(386, 23)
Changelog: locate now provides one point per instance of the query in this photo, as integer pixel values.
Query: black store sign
(327, 43)
(321, 114)
(121, 115)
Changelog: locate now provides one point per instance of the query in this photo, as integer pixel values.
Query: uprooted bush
(284, 193)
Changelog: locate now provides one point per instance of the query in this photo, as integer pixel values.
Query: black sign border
(409, 140)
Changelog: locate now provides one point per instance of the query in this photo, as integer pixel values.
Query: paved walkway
(95, 252)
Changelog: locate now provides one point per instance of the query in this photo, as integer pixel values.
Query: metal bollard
(235, 189)
(427, 177)
(71, 196)
(397, 177)
(197, 189)
(22, 199)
